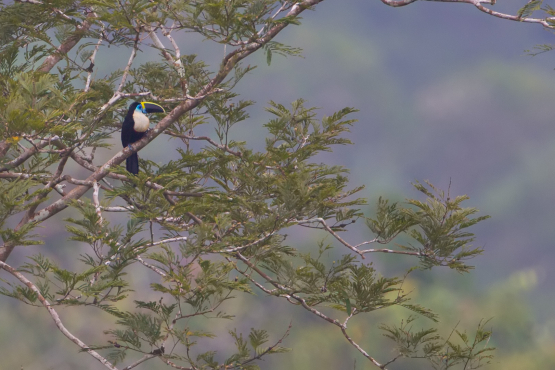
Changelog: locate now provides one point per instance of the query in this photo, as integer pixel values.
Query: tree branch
(547, 22)
(55, 316)
(205, 138)
(28, 153)
(92, 59)
(129, 63)
(139, 361)
(66, 46)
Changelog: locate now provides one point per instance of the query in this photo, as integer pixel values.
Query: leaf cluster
(439, 226)
(442, 353)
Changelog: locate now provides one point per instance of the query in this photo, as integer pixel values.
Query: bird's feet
(130, 147)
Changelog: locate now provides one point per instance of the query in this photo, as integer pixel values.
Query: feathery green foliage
(214, 223)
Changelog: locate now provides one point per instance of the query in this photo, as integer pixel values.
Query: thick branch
(4, 147)
(66, 46)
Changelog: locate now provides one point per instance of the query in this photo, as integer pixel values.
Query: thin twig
(92, 59)
(268, 350)
(205, 138)
(129, 63)
(335, 235)
(96, 201)
(152, 267)
(243, 247)
(138, 362)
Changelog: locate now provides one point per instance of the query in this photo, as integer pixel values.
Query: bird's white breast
(141, 122)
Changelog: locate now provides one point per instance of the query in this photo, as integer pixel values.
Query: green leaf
(529, 8)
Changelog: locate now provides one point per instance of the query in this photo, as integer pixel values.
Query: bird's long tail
(132, 163)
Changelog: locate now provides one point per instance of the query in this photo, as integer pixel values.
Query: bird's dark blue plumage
(128, 133)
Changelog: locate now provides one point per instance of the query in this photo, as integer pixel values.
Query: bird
(134, 127)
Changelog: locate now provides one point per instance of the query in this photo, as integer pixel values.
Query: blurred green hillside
(445, 94)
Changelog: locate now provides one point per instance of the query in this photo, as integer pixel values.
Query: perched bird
(134, 127)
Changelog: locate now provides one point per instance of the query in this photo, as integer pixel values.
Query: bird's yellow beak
(149, 107)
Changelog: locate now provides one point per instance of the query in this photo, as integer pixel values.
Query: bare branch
(170, 240)
(248, 276)
(283, 6)
(547, 22)
(246, 261)
(336, 236)
(92, 59)
(117, 209)
(129, 63)
(398, 3)
(384, 250)
(152, 267)
(359, 348)
(96, 201)
(19, 175)
(66, 46)
(174, 365)
(242, 247)
(174, 62)
(138, 362)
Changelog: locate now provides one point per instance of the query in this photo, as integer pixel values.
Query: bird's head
(146, 107)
